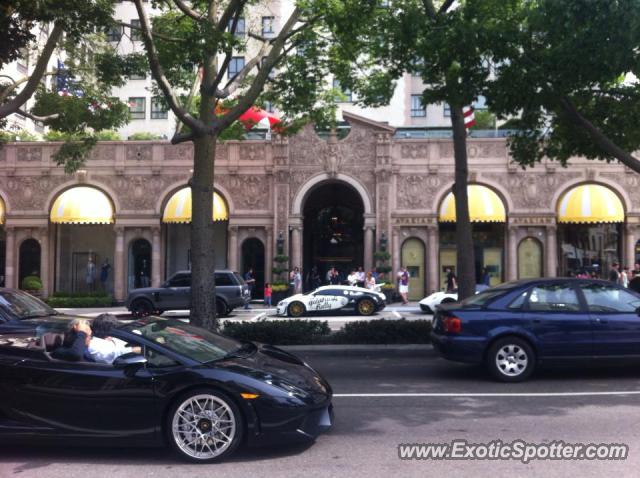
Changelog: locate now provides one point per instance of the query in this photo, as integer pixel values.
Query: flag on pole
(469, 117)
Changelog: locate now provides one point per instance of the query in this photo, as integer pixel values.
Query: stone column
(156, 276)
(296, 248)
(551, 251)
(368, 248)
(44, 260)
(232, 250)
(630, 241)
(512, 253)
(395, 254)
(433, 259)
(118, 266)
(10, 257)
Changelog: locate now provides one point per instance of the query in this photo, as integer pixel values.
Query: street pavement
(385, 398)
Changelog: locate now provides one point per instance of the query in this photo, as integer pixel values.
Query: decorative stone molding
(27, 154)
(139, 152)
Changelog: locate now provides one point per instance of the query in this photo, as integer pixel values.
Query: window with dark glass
(268, 27)
(136, 33)
(236, 64)
(138, 107)
(240, 30)
(114, 33)
(417, 108)
(158, 108)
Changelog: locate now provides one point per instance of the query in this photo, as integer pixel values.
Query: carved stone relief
(139, 152)
(103, 152)
(29, 153)
(418, 191)
(179, 152)
(248, 191)
(31, 192)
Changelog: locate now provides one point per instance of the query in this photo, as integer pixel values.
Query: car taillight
(452, 325)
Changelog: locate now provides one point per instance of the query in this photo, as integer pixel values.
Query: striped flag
(469, 117)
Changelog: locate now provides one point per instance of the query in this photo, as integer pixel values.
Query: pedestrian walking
(361, 277)
(403, 285)
(251, 283)
(268, 291)
(370, 281)
(614, 273)
(624, 277)
(295, 280)
(452, 281)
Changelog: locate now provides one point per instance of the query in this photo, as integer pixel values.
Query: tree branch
(32, 83)
(182, 137)
(257, 85)
(445, 6)
(33, 117)
(188, 11)
(429, 8)
(599, 137)
(233, 7)
(16, 83)
(155, 34)
(235, 82)
(158, 74)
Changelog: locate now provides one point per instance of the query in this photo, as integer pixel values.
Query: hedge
(80, 294)
(281, 332)
(311, 332)
(74, 302)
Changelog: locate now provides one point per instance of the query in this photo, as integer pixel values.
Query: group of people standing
(623, 276)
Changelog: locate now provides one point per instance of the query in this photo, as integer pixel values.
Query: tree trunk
(203, 285)
(464, 240)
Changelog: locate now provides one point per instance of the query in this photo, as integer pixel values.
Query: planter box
(278, 296)
(391, 295)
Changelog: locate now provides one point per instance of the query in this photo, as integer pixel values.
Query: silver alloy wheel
(512, 360)
(204, 426)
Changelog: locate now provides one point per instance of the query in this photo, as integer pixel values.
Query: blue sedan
(514, 327)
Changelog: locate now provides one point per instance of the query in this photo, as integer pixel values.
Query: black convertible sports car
(202, 392)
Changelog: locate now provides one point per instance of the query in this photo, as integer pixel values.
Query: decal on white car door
(326, 302)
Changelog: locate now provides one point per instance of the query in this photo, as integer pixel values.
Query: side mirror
(127, 360)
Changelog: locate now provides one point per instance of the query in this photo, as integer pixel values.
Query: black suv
(175, 294)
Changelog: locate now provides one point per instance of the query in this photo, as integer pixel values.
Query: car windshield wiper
(39, 315)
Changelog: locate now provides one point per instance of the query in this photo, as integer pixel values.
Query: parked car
(514, 327)
(200, 392)
(22, 313)
(175, 294)
(331, 298)
(429, 303)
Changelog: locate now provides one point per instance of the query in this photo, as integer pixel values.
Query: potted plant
(32, 285)
(280, 283)
(383, 268)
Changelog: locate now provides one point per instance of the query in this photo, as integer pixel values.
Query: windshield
(24, 306)
(192, 342)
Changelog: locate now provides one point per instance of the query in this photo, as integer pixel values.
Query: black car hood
(270, 361)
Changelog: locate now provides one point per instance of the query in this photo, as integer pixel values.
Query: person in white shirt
(103, 348)
(352, 278)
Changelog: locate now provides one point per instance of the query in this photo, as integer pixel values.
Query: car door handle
(601, 321)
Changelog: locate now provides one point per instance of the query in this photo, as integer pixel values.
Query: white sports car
(429, 303)
(332, 298)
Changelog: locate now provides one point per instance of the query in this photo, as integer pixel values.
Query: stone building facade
(395, 185)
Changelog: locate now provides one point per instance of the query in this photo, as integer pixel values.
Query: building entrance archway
(333, 230)
(29, 260)
(253, 258)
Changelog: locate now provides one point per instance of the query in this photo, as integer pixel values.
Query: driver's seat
(51, 341)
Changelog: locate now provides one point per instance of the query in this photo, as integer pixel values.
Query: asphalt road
(588, 405)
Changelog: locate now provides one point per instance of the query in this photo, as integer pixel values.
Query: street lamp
(383, 242)
(280, 243)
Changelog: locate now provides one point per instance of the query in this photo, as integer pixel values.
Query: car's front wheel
(296, 309)
(141, 308)
(511, 359)
(366, 307)
(205, 426)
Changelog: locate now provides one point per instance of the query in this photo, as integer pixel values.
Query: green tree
(563, 77)
(449, 45)
(190, 49)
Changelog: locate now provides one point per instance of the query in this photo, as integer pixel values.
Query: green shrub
(74, 302)
(281, 332)
(108, 135)
(80, 294)
(280, 287)
(31, 283)
(144, 136)
(384, 331)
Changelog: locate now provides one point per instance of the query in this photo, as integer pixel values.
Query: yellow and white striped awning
(484, 206)
(178, 208)
(82, 205)
(590, 204)
(2, 211)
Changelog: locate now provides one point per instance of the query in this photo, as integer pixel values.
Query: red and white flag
(469, 117)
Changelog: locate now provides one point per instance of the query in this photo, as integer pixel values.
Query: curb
(359, 349)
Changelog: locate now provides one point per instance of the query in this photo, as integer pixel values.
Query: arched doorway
(253, 257)
(413, 259)
(333, 229)
(176, 217)
(529, 258)
(29, 260)
(139, 274)
(84, 239)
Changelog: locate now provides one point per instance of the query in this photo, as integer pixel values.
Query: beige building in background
(327, 201)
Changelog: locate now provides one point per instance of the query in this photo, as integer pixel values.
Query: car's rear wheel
(205, 426)
(366, 307)
(511, 359)
(296, 309)
(141, 308)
